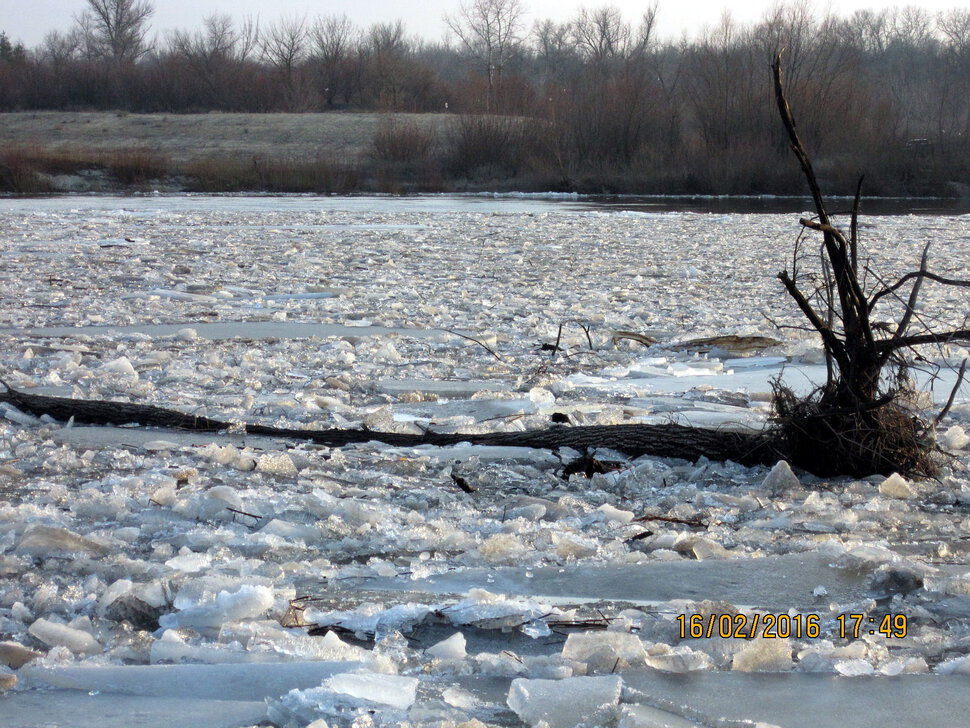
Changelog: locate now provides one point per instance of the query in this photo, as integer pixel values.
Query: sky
(28, 21)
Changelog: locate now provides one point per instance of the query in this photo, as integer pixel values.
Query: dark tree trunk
(668, 440)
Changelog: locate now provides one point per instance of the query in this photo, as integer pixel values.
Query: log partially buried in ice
(566, 703)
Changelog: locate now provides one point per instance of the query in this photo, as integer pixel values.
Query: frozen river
(228, 580)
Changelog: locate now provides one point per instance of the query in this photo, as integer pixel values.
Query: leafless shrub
(20, 173)
(484, 146)
(320, 174)
(135, 166)
(402, 142)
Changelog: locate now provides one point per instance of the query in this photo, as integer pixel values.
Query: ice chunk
(452, 648)
(172, 651)
(248, 602)
(45, 540)
(909, 665)
(229, 455)
(954, 439)
(533, 512)
(502, 548)
(458, 698)
(371, 618)
(566, 703)
(615, 514)
(189, 562)
(60, 635)
(7, 679)
(226, 495)
(854, 668)
(573, 546)
(160, 446)
(781, 479)
(396, 691)
(331, 647)
(120, 367)
(705, 548)
(291, 531)
(764, 654)
(677, 659)
(494, 611)
(117, 589)
(164, 496)
(604, 651)
(896, 486)
(277, 463)
(645, 716)
(956, 666)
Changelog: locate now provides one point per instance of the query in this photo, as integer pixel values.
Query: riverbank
(344, 153)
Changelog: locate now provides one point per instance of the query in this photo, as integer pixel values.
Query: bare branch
(910, 276)
(943, 337)
(953, 393)
(854, 227)
(789, 122)
(475, 341)
(831, 341)
(913, 295)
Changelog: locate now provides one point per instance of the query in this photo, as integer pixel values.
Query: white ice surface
(308, 312)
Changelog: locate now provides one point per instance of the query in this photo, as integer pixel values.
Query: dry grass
(322, 153)
(31, 169)
(184, 138)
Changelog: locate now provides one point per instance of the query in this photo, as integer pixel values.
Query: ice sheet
(774, 582)
(810, 701)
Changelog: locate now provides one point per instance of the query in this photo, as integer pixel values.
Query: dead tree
(860, 421)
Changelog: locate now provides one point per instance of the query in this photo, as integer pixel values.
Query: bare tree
(217, 43)
(216, 55)
(334, 38)
(386, 49)
(602, 34)
(117, 29)
(284, 46)
(722, 91)
(490, 31)
(59, 49)
(818, 65)
(955, 27)
(553, 47)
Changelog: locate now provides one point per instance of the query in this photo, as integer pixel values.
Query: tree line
(595, 103)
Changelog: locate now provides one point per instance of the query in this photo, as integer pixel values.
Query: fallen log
(665, 440)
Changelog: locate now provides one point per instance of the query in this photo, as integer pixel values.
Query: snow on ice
(361, 586)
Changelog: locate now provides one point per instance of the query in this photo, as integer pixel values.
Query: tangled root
(829, 440)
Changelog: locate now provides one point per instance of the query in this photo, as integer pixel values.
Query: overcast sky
(28, 20)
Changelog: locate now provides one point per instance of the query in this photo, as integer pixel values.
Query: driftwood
(667, 440)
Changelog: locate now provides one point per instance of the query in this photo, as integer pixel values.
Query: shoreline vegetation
(333, 153)
(595, 104)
